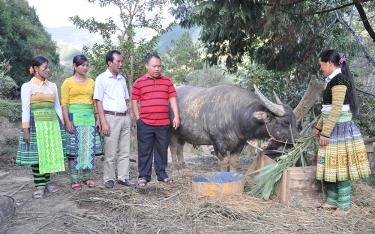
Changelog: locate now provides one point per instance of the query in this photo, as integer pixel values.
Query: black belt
(115, 113)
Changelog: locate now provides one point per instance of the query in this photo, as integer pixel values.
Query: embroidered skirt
(47, 140)
(345, 157)
(84, 143)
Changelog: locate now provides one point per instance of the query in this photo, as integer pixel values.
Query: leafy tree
(279, 34)
(183, 57)
(8, 86)
(133, 15)
(22, 36)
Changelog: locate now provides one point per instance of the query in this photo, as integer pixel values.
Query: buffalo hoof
(183, 165)
(179, 166)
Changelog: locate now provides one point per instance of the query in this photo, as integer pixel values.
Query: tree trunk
(369, 140)
(312, 93)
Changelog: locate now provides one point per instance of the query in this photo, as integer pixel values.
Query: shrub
(10, 109)
(8, 87)
(208, 77)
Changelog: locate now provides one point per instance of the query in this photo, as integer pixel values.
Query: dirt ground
(163, 208)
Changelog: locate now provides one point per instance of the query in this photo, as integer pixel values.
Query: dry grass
(160, 208)
(174, 209)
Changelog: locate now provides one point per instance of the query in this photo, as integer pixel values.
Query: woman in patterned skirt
(81, 124)
(41, 138)
(342, 156)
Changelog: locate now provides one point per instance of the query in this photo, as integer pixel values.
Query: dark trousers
(153, 144)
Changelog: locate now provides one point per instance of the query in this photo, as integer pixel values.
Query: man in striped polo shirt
(151, 95)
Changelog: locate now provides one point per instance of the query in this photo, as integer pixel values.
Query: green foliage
(366, 120)
(8, 86)
(133, 15)
(281, 83)
(181, 58)
(10, 109)
(208, 77)
(22, 36)
(281, 35)
(96, 55)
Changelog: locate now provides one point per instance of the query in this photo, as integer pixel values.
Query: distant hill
(166, 39)
(70, 40)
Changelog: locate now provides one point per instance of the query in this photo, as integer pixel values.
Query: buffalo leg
(233, 163)
(180, 155)
(224, 162)
(173, 147)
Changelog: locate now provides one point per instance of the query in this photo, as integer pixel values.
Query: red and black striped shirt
(153, 95)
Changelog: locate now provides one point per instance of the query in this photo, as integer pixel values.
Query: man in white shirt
(111, 93)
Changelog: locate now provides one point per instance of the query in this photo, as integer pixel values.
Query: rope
(275, 139)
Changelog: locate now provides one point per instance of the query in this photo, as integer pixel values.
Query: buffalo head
(279, 121)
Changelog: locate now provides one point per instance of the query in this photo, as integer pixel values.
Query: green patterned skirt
(84, 143)
(345, 157)
(47, 140)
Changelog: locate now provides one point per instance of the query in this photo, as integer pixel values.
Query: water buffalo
(227, 116)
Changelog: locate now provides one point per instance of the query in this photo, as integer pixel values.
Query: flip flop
(51, 189)
(76, 186)
(341, 212)
(166, 180)
(326, 206)
(89, 183)
(39, 193)
(142, 182)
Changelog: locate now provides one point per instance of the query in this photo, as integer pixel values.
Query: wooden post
(312, 93)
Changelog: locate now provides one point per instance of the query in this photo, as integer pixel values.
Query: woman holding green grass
(81, 123)
(41, 138)
(342, 156)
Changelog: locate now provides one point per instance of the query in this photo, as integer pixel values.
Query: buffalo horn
(277, 109)
(278, 101)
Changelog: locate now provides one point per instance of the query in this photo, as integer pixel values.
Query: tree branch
(363, 16)
(357, 37)
(277, 2)
(337, 8)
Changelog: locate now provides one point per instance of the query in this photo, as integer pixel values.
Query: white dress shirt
(112, 91)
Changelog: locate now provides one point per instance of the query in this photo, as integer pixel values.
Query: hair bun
(31, 70)
(342, 60)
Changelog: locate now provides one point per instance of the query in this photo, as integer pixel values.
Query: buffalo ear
(261, 115)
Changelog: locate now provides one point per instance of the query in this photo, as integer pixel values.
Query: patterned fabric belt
(82, 114)
(42, 106)
(115, 113)
(345, 116)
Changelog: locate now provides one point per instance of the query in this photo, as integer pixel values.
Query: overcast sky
(56, 13)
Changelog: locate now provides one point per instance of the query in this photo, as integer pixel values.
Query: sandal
(142, 182)
(89, 183)
(76, 186)
(51, 189)
(341, 212)
(167, 180)
(326, 206)
(39, 193)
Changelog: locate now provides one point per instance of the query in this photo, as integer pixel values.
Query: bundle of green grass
(263, 184)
